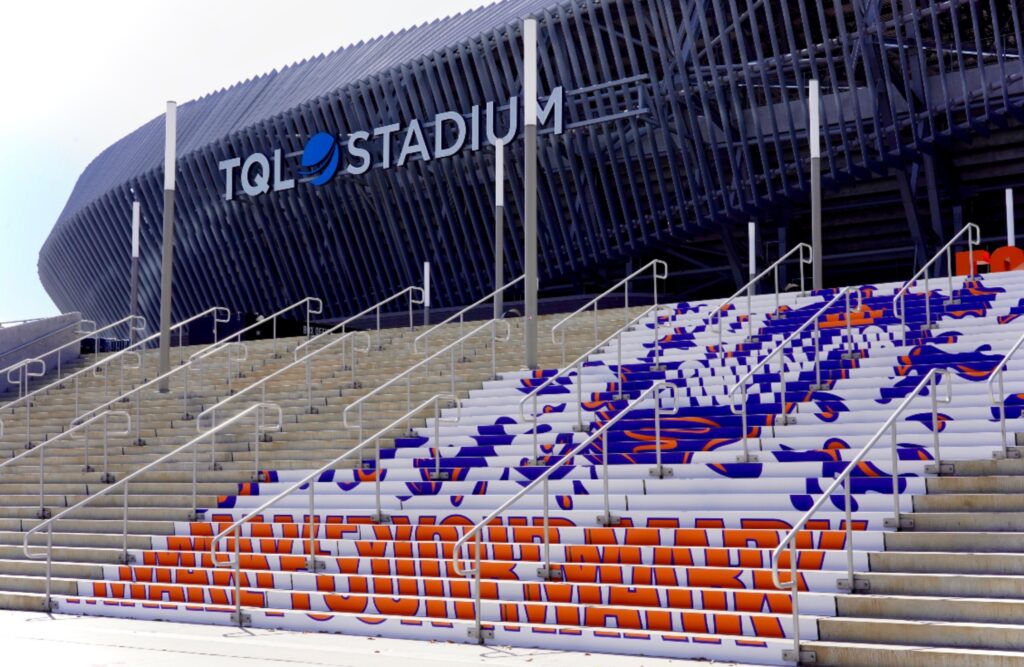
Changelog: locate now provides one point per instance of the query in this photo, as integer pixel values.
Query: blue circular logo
(320, 158)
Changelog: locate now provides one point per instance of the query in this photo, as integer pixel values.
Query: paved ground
(81, 641)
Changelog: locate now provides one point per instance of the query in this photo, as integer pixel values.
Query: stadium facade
(664, 128)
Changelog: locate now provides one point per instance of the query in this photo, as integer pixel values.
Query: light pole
(167, 267)
(499, 226)
(814, 136)
(530, 218)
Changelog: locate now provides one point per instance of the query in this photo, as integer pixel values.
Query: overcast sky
(77, 76)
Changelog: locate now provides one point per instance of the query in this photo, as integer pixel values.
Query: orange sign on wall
(1007, 258)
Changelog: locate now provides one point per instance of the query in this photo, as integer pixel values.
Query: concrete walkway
(82, 641)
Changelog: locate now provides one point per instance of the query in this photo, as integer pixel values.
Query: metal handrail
(412, 289)
(130, 349)
(462, 313)
(607, 519)
(77, 325)
(890, 424)
(314, 306)
(137, 390)
(312, 563)
(41, 450)
(749, 287)
(780, 350)
(135, 322)
(653, 265)
(973, 238)
(261, 427)
(425, 362)
(262, 384)
(1001, 400)
(577, 365)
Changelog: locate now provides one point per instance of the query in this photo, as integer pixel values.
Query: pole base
(126, 559)
(746, 458)
(801, 657)
(549, 574)
(380, 517)
(479, 635)
(661, 472)
(439, 476)
(609, 520)
(315, 565)
(940, 469)
(44, 513)
(140, 442)
(242, 620)
(312, 410)
(856, 585)
(108, 478)
(88, 469)
(903, 523)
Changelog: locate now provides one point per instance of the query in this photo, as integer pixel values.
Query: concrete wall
(32, 339)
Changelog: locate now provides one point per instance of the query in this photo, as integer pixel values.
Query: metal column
(167, 267)
(499, 226)
(814, 137)
(1011, 233)
(530, 222)
(133, 307)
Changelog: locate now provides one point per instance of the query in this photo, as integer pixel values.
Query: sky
(77, 76)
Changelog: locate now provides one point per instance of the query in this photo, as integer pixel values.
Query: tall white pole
(167, 267)
(133, 307)
(1011, 234)
(426, 293)
(530, 218)
(499, 226)
(751, 248)
(814, 136)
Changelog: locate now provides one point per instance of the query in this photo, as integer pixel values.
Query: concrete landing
(27, 637)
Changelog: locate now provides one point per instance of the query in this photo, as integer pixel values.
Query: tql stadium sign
(388, 146)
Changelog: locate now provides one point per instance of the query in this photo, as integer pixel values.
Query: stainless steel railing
(849, 584)
(780, 350)
(973, 238)
(314, 306)
(262, 383)
(259, 417)
(135, 351)
(43, 447)
(461, 315)
(658, 270)
(309, 481)
(749, 287)
(997, 373)
(577, 366)
(84, 334)
(425, 363)
(375, 308)
(606, 519)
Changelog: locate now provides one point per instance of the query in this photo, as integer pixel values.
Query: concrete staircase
(948, 590)
(164, 496)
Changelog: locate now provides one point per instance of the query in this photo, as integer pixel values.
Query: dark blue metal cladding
(682, 117)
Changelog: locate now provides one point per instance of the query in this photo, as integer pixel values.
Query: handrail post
(1002, 408)
(794, 588)
(238, 578)
(895, 522)
(618, 369)
(379, 516)
(579, 396)
(545, 572)
(608, 519)
(312, 564)
(478, 594)
(436, 475)
(125, 558)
